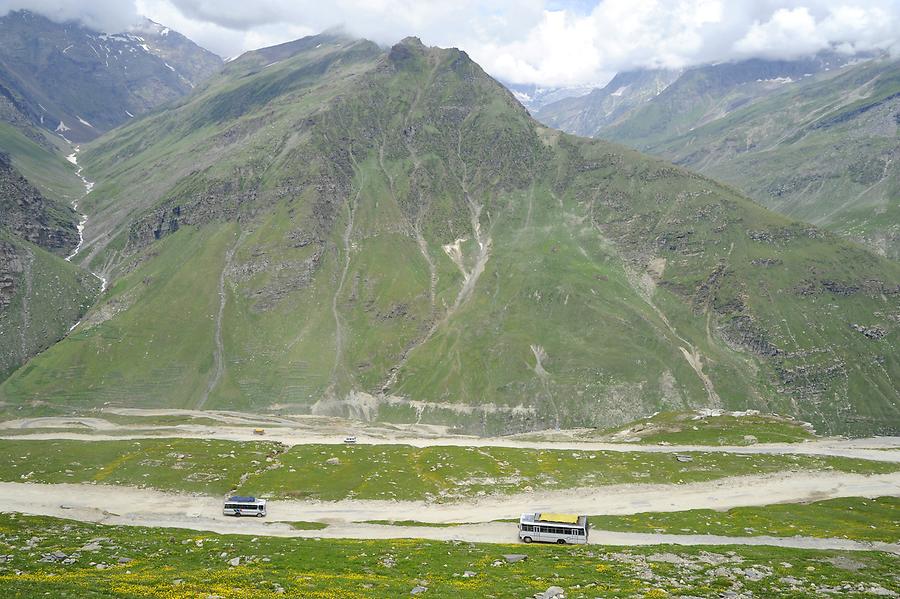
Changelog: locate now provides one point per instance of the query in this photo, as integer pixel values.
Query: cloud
(102, 15)
(548, 42)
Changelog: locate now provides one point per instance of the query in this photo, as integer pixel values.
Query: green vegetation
(48, 296)
(690, 428)
(211, 467)
(413, 247)
(43, 164)
(332, 472)
(447, 473)
(850, 518)
(182, 564)
(817, 148)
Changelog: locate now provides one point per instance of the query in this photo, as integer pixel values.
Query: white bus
(245, 506)
(553, 528)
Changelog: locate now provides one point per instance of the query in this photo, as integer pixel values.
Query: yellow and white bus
(553, 528)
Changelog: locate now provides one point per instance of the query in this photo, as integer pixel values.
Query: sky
(549, 43)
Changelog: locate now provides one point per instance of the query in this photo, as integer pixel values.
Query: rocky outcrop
(27, 214)
(10, 268)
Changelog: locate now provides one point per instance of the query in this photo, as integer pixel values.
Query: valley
(361, 282)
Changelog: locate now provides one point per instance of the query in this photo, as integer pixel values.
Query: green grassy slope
(852, 518)
(47, 295)
(331, 228)
(182, 563)
(43, 165)
(41, 295)
(401, 472)
(823, 149)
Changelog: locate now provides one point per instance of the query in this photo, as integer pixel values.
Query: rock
(632, 439)
(750, 440)
(468, 574)
(683, 458)
(333, 461)
(876, 589)
(512, 558)
(235, 561)
(124, 560)
(55, 556)
(551, 593)
(101, 566)
(91, 547)
(418, 590)
(845, 563)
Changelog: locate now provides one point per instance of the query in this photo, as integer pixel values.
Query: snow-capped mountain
(81, 83)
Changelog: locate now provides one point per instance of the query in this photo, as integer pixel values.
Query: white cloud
(103, 15)
(530, 41)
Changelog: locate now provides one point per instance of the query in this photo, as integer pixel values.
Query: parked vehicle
(553, 528)
(350, 440)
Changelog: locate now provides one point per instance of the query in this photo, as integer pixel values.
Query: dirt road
(303, 430)
(145, 507)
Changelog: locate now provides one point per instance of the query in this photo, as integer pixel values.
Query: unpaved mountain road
(147, 507)
(300, 430)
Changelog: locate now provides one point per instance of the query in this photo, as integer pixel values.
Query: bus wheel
(259, 515)
(527, 539)
(561, 541)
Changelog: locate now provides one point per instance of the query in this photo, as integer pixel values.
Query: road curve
(147, 507)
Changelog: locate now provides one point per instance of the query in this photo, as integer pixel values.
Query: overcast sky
(547, 42)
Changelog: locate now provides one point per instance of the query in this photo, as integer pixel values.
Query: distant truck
(244, 506)
(553, 528)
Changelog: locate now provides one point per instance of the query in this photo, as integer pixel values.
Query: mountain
(30, 216)
(330, 227)
(41, 295)
(534, 97)
(590, 113)
(63, 83)
(80, 83)
(823, 150)
(814, 139)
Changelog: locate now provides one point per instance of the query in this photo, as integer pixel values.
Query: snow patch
(620, 91)
(521, 97)
(778, 80)
(129, 114)
(83, 122)
(61, 127)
